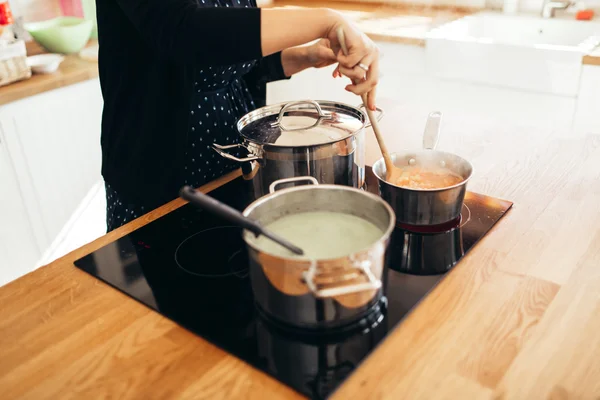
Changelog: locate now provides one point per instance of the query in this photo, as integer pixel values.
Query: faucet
(549, 7)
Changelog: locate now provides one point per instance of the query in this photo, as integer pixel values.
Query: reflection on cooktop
(192, 267)
(224, 246)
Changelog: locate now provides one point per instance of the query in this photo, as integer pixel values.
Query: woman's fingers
(367, 84)
(360, 64)
(361, 70)
(371, 97)
(356, 73)
(336, 72)
(357, 44)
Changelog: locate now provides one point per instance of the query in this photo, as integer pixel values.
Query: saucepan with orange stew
(432, 186)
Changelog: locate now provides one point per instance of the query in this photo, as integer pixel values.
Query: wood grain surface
(516, 319)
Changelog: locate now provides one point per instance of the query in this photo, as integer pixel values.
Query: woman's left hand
(316, 55)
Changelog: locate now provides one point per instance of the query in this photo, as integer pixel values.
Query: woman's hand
(361, 64)
(317, 55)
(313, 23)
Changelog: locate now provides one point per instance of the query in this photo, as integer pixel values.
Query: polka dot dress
(220, 99)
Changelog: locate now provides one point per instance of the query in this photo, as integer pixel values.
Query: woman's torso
(220, 99)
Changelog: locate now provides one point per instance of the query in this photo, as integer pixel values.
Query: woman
(176, 75)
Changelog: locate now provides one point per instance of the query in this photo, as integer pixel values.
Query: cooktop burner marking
(463, 219)
(229, 271)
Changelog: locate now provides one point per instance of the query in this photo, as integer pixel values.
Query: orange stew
(416, 178)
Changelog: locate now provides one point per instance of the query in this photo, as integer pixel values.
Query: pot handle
(273, 186)
(322, 115)
(221, 150)
(380, 114)
(363, 266)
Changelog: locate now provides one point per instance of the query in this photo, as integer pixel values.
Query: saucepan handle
(380, 114)
(222, 151)
(310, 179)
(364, 267)
(432, 130)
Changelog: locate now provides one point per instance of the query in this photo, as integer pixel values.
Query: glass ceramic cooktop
(191, 267)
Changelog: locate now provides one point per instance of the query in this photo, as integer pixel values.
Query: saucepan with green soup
(327, 271)
(344, 233)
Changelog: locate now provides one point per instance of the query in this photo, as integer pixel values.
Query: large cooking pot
(426, 206)
(322, 139)
(318, 294)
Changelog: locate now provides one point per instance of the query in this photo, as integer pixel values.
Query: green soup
(321, 234)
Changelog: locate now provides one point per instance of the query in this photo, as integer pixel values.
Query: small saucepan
(432, 206)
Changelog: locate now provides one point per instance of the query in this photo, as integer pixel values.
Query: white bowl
(44, 63)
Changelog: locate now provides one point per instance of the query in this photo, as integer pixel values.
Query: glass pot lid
(301, 123)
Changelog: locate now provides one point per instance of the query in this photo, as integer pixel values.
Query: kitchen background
(493, 72)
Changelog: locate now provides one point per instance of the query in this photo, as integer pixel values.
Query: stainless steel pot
(318, 294)
(322, 139)
(425, 206)
(425, 254)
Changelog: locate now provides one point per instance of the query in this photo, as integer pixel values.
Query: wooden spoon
(393, 173)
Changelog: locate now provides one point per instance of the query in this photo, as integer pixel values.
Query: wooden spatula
(393, 173)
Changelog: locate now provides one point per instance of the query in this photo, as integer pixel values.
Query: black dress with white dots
(220, 99)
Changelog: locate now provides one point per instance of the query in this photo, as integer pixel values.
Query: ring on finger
(364, 67)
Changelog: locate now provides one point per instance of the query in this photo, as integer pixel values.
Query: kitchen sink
(523, 52)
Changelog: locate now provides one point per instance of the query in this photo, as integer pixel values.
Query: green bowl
(64, 35)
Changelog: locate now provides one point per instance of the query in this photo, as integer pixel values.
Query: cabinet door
(19, 252)
(587, 120)
(57, 138)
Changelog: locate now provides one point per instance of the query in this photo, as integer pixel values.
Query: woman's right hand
(361, 64)
(322, 23)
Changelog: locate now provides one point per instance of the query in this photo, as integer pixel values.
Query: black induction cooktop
(192, 267)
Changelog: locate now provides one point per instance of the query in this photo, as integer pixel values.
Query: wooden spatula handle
(372, 118)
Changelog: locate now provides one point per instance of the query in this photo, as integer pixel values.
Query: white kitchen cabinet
(54, 143)
(587, 115)
(57, 135)
(18, 248)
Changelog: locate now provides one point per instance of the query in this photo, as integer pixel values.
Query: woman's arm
(316, 55)
(221, 35)
(267, 69)
(285, 28)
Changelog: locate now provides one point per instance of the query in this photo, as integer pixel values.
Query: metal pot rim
(264, 111)
(459, 184)
(385, 236)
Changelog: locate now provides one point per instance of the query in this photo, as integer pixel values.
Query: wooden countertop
(517, 318)
(73, 69)
(593, 58)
